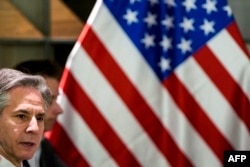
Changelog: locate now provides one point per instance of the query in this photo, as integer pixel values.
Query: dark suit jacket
(48, 156)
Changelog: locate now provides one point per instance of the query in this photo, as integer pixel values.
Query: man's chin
(49, 126)
(27, 155)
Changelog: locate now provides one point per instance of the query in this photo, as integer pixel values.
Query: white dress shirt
(6, 163)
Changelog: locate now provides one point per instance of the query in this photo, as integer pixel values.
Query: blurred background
(48, 29)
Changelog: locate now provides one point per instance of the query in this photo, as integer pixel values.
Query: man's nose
(58, 109)
(33, 125)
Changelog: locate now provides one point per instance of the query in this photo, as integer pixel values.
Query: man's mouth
(28, 144)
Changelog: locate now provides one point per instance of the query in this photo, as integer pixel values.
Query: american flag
(155, 83)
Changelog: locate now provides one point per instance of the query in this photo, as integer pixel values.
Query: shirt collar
(5, 163)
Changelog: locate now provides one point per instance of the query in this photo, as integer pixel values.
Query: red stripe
(97, 122)
(197, 116)
(235, 33)
(65, 149)
(225, 83)
(139, 108)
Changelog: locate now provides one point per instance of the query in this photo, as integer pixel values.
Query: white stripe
(78, 132)
(148, 85)
(233, 59)
(213, 103)
(115, 111)
(94, 12)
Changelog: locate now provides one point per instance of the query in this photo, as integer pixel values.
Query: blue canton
(167, 32)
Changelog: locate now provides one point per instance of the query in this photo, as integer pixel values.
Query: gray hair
(10, 78)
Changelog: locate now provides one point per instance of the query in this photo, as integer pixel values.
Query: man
(24, 100)
(45, 155)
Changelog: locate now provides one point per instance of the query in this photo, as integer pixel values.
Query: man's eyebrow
(41, 114)
(22, 111)
(27, 112)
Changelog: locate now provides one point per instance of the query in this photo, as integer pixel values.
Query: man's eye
(40, 118)
(21, 116)
(54, 97)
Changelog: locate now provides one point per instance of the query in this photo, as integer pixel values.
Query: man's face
(22, 124)
(54, 110)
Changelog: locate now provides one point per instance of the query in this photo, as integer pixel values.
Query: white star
(148, 40)
(166, 43)
(153, 2)
(150, 20)
(164, 64)
(168, 22)
(187, 24)
(228, 10)
(207, 27)
(185, 45)
(210, 6)
(131, 17)
(133, 1)
(189, 5)
(170, 3)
